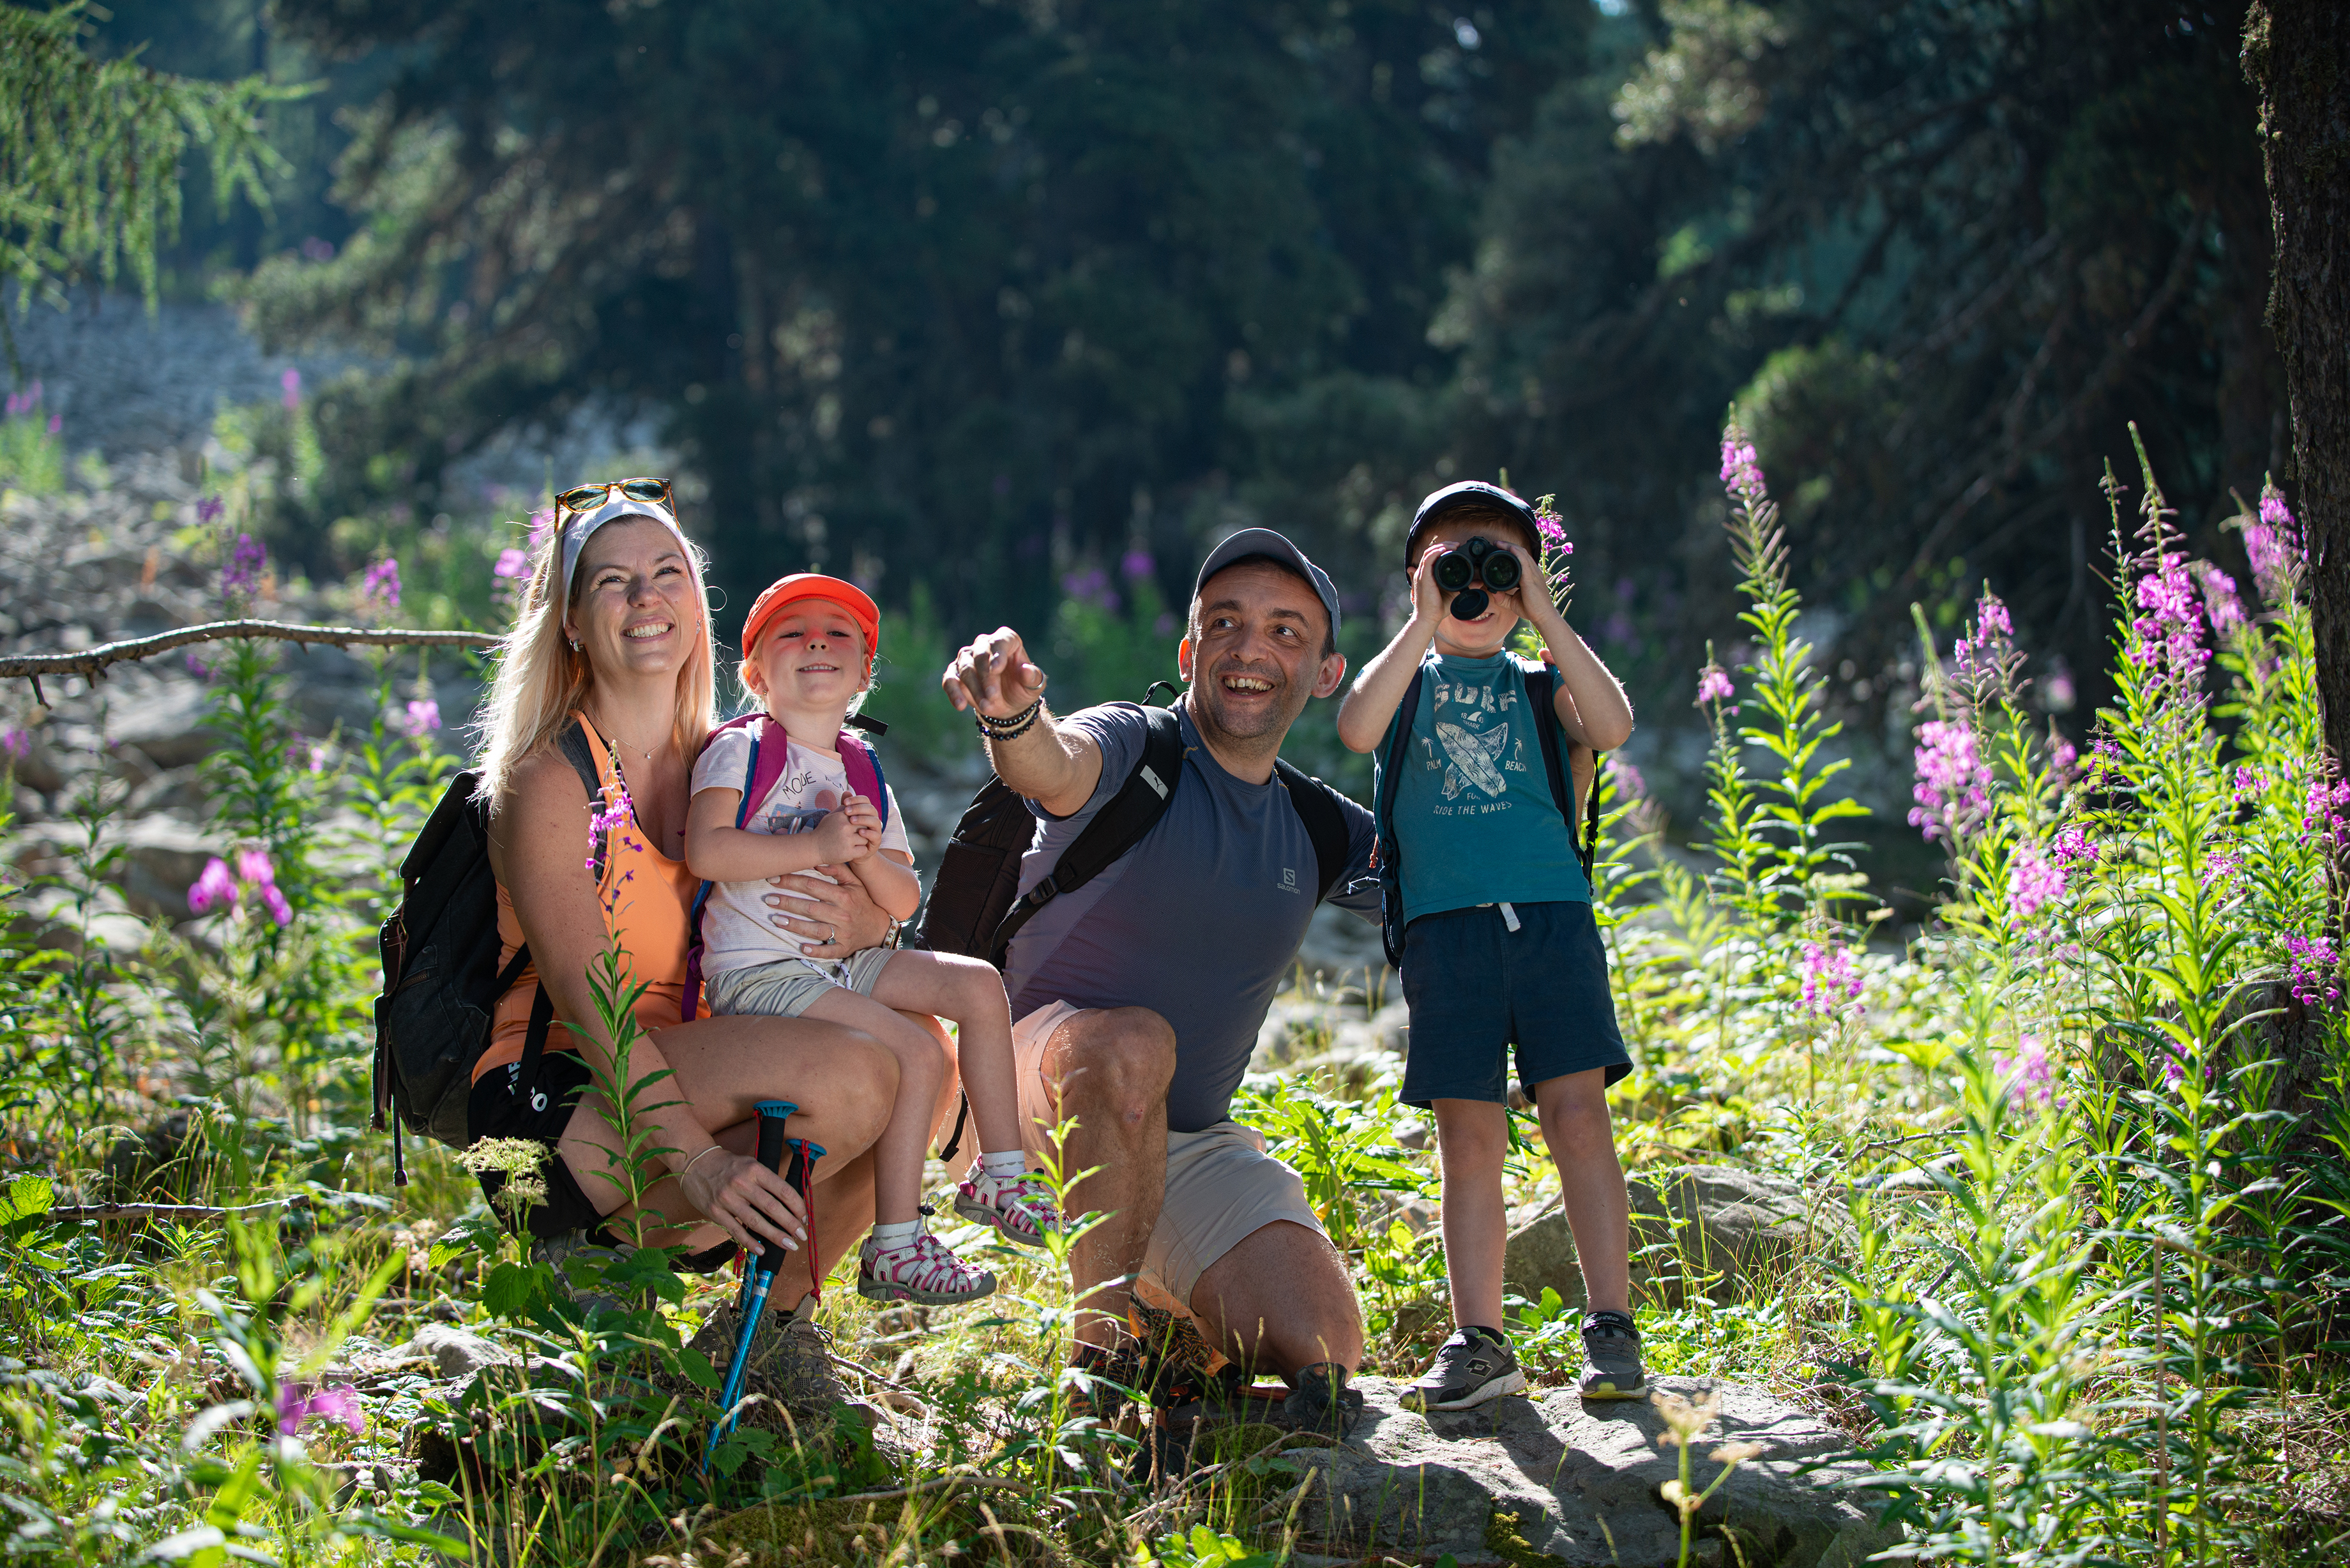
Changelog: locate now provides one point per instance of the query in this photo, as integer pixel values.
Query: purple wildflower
(1741, 475)
(339, 1405)
(289, 386)
(2171, 634)
(1137, 565)
(2030, 1075)
(209, 509)
(1987, 644)
(216, 889)
(2220, 868)
(14, 742)
(1831, 984)
(240, 578)
(2074, 847)
(2320, 809)
(1953, 786)
(1626, 779)
(2314, 970)
(317, 756)
(2247, 783)
(608, 819)
(542, 528)
(2032, 880)
(512, 563)
(1713, 685)
(272, 900)
(254, 869)
(2274, 544)
(2058, 691)
(56, 423)
(1091, 587)
(380, 588)
(424, 718)
(2065, 759)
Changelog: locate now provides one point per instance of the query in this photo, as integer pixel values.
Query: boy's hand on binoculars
(1427, 598)
(994, 675)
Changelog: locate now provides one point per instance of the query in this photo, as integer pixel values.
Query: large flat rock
(1582, 1481)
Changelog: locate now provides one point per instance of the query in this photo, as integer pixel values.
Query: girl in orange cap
(807, 655)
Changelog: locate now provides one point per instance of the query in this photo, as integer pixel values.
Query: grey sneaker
(1320, 1401)
(1474, 1365)
(1611, 1357)
(578, 1265)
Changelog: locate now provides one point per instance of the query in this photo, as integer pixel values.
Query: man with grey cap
(1138, 996)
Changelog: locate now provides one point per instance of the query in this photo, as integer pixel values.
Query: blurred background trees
(1022, 303)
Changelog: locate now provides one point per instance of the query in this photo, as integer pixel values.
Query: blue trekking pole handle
(758, 1276)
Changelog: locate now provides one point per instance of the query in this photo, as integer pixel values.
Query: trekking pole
(758, 1275)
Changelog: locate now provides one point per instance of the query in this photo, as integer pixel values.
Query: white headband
(576, 532)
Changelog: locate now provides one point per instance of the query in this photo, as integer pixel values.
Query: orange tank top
(648, 902)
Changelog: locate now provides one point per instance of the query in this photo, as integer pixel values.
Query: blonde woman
(609, 673)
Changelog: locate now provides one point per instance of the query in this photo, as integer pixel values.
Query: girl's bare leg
(922, 1068)
(970, 992)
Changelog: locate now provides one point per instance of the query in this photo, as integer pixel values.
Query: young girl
(808, 654)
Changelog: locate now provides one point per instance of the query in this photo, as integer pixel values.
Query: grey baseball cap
(1251, 542)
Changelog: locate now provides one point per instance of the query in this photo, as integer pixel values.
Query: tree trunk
(2297, 56)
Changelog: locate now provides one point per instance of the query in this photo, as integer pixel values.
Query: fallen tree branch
(993, 1482)
(161, 1210)
(91, 663)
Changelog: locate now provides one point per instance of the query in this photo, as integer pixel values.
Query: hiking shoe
(1175, 1360)
(921, 1271)
(579, 1265)
(1474, 1365)
(1611, 1357)
(1320, 1401)
(798, 1361)
(1017, 1208)
(1111, 1378)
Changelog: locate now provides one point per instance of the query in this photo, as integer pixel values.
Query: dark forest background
(972, 299)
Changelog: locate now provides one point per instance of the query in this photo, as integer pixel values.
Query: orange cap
(799, 585)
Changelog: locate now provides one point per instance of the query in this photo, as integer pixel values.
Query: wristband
(689, 1164)
(1011, 724)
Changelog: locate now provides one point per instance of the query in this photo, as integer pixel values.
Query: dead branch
(91, 663)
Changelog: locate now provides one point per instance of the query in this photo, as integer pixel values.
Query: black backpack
(1540, 684)
(441, 973)
(975, 905)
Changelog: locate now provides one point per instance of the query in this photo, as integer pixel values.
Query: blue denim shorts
(1475, 988)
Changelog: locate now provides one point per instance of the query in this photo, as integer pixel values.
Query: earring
(575, 645)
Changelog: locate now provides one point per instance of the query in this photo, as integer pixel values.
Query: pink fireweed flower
(1742, 474)
(2074, 847)
(1137, 565)
(2065, 759)
(2220, 868)
(317, 756)
(542, 528)
(1831, 984)
(2220, 601)
(2030, 1076)
(216, 889)
(2032, 880)
(424, 718)
(56, 423)
(240, 578)
(2313, 974)
(289, 386)
(2171, 634)
(1626, 779)
(209, 509)
(14, 742)
(2247, 782)
(2274, 546)
(1953, 788)
(512, 563)
(1987, 643)
(379, 592)
(615, 817)
(1091, 587)
(339, 1405)
(2320, 809)
(252, 867)
(1713, 685)
(272, 899)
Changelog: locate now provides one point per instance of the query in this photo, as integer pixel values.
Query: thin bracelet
(999, 736)
(689, 1164)
(1011, 723)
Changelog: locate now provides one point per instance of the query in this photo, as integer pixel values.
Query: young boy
(1499, 943)
(807, 655)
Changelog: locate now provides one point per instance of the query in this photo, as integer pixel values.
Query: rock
(166, 855)
(1743, 1226)
(1556, 1480)
(166, 719)
(457, 1351)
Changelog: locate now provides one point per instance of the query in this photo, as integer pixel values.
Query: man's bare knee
(1117, 1062)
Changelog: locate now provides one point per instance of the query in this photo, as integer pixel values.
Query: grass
(2076, 1153)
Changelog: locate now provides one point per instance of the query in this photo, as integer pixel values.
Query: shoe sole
(1511, 1382)
(1609, 1391)
(981, 1214)
(878, 1290)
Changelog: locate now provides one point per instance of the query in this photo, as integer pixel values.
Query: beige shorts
(1221, 1185)
(787, 988)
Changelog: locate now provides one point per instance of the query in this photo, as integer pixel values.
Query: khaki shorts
(1221, 1185)
(788, 986)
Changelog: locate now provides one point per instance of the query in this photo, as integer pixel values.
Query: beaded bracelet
(1011, 724)
(1013, 734)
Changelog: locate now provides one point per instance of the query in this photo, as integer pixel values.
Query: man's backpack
(976, 906)
(441, 973)
(770, 750)
(1541, 683)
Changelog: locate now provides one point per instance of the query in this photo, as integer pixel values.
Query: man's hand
(841, 839)
(994, 675)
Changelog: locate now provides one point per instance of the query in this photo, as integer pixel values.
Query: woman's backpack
(441, 973)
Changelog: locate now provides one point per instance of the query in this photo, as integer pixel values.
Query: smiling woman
(609, 675)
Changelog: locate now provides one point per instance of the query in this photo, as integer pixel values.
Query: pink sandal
(1019, 1208)
(922, 1271)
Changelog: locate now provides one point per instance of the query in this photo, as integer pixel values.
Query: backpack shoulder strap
(1541, 681)
(1116, 828)
(863, 767)
(1390, 761)
(581, 752)
(1325, 824)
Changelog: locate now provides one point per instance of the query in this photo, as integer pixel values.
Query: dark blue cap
(1469, 492)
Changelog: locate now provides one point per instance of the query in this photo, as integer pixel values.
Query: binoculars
(1477, 560)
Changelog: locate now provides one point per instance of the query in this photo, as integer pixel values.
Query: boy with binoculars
(1488, 915)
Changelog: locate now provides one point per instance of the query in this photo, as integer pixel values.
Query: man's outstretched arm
(1050, 763)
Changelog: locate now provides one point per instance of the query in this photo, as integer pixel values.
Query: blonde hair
(541, 681)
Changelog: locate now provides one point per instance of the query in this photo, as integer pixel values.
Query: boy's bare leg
(923, 1067)
(1473, 1140)
(1582, 1139)
(969, 991)
(1109, 1069)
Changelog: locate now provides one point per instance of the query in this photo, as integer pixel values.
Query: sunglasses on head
(588, 497)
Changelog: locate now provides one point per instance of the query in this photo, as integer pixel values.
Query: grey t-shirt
(1200, 921)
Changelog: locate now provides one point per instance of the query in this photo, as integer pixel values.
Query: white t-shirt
(735, 931)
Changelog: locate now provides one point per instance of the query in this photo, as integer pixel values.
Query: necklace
(608, 730)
